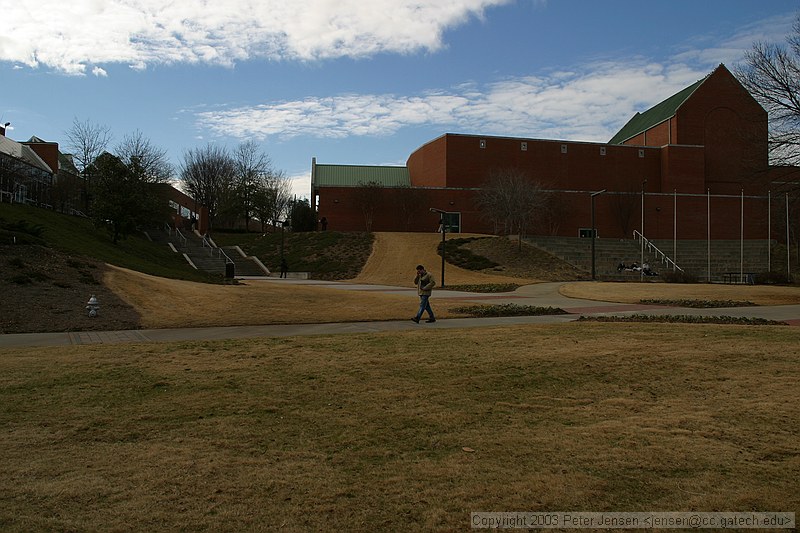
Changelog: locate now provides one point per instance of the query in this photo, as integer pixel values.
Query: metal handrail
(176, 231)
(653, 248)
(220, 252)
(228, 260)
(182, 237)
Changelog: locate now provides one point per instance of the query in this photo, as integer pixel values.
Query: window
(452, 222)
(563, 148)
(602, 150)
(483, 143)
(641, 153)
(523, 146)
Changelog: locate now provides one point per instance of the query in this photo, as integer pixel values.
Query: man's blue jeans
(424, 305)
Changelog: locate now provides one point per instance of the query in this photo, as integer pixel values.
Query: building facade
(25, 176)
(693, 165)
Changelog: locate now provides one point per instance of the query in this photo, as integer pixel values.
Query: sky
(354, 81)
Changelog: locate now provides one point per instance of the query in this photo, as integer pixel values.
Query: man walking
(425, 283)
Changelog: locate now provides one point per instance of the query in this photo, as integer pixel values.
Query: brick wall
(717, 141)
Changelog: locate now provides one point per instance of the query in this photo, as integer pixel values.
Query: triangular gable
(23, 153)
(641, 122)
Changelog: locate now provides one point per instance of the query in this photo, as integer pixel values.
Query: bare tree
(511, 200)
(87, 140)
(207, 174)
(271, 198)
(150, 163)
(125, 191)
(368, 196)
(252, 166)
(409, 204)
(625, 204)
(771, 73)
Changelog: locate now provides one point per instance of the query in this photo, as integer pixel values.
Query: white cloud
(587, 102)
(68, 36)
(587, 105)
(99, 72)
(300, 184)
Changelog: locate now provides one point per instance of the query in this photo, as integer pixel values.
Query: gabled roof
(67, 164)
(356, 175)
(65, 161)
(657, 114)
(23, 153)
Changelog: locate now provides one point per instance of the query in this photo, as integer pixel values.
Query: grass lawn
(79, 237)
(399, 431)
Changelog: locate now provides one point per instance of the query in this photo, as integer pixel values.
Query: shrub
(463, 257)
(685, 319)
(699, 304)
(484, 287)
(483, 311)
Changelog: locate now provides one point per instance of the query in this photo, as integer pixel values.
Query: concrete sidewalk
(540, 295)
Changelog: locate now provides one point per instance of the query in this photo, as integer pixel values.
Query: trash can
(230, 270)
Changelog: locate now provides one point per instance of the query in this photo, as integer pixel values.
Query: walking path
(541, 295)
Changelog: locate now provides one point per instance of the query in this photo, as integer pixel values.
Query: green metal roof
(356, 175)
(655, 115)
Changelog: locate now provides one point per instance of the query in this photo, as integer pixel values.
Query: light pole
(284, 223)
(442, 228)
(594, 233)
(641, 259)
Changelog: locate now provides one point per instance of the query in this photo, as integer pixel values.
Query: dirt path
(395, 256)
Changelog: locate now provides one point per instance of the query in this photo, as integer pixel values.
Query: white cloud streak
(578, 106)
(589, 102)
(69, 36)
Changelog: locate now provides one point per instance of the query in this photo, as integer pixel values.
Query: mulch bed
(46, 291)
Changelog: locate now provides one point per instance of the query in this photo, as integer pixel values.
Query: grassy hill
(76, 236)
(329, 255)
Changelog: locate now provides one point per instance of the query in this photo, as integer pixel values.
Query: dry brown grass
(396, 255)
(168, 303)
(367, 432)
(634, 292)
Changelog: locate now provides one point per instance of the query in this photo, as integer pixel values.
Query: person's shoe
(430, 320)
(415, 319)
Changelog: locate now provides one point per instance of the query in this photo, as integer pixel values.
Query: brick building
(694, 164)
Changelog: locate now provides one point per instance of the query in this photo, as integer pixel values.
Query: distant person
(284, 267)
(425, 284)
(324, 223)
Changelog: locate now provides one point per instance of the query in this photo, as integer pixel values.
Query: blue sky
(354, 82)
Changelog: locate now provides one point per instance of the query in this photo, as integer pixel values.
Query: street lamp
(441, 228)
(641, 259)
(594, 233)
(284, 223)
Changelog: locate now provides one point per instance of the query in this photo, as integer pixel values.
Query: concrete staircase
(245, 265)
(691, 256)
(210, 258)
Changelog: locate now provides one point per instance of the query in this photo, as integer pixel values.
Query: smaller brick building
(702, 150)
